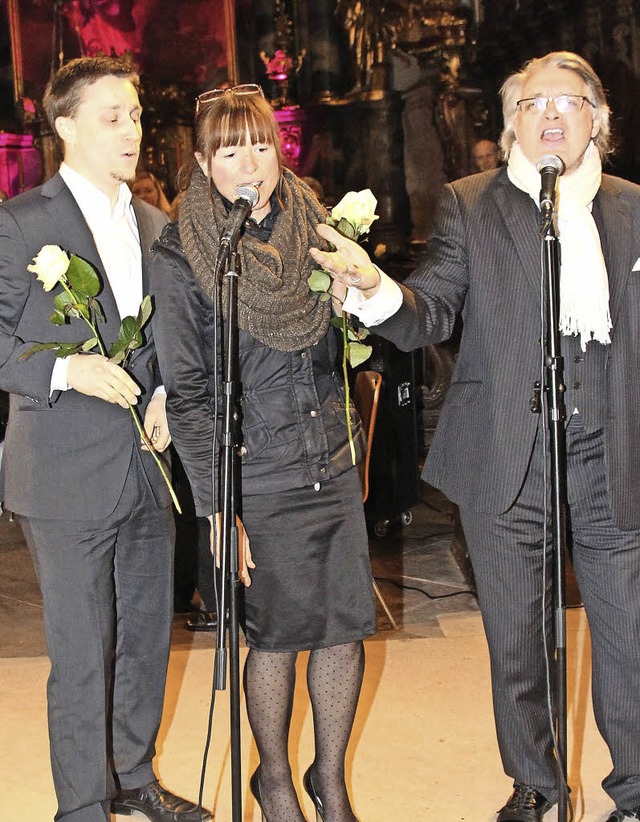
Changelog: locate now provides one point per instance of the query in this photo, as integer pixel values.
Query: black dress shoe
(202, 621)
(525, 804)
(158, 805)
(620, 816)
(183, 606)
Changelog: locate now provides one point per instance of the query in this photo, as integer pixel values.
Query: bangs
(241, 123)
(234, 120)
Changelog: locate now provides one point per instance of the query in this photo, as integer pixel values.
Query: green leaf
(357, 334)
(35, 348)
(319, 280)
(58, 318)
(83, 278)
(129, 338)
(67, 349)
(117, 356)
(78, 310)
(95, 306)
(61, 349)
(61, 301)
(129, 344)
(128, 329)
(358, 353)
(337, 321)
(145, 312)
(118, 348)
(324, 297)
(345, 228)
(92, 342)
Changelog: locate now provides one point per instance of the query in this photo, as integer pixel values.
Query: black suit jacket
(483, 259)
(65, 455)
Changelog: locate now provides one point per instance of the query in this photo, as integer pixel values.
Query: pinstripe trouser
(507, 555)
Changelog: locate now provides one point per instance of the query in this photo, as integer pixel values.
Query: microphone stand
(554, 389)
(228, 577)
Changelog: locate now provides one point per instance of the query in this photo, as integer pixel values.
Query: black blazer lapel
(617, 244)
(521, 217)
(76, 238)
(147, 236)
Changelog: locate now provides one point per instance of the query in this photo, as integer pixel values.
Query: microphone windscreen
(550, 161)
(249, 193)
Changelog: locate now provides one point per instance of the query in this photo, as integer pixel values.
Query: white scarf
(584, 285)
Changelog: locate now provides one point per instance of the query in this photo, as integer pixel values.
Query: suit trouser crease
(107, 593)
(507, 555)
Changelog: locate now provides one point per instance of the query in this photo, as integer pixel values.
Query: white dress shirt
(375, 310)
(115, 233)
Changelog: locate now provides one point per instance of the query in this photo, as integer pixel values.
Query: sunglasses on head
(207, 97)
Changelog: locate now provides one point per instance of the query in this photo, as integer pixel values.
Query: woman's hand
(155, 423)
(349, 264)
(245, 560)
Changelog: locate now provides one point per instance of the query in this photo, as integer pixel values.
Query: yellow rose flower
(358, 208)
(50, 265)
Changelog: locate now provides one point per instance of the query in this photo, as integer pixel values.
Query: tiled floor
(423, 746)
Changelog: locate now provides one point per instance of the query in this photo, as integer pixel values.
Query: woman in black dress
(311, 587)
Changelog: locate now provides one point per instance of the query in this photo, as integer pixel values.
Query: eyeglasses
(208, 97)
(564, 103)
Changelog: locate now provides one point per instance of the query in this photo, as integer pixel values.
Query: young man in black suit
(93, 505)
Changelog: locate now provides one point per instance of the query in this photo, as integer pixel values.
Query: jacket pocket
(256, 436)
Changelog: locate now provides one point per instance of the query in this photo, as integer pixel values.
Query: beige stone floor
(423, 748)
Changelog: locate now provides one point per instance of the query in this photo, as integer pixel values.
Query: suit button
(577, 385)
(314, 413)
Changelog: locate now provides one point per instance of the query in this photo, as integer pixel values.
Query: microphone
(244, 199)
(550, 168)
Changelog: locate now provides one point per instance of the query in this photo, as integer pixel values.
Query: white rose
(50, 265)
(359, 208)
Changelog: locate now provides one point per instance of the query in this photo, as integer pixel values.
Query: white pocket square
(636, 265)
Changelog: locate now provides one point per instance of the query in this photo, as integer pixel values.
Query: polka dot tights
(334, 679)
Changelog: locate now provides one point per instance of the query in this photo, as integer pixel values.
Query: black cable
(404, 587)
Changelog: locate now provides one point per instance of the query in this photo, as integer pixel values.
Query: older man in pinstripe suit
(488, 454)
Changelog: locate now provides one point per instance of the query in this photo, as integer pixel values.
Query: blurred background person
(174, 209)
(486, 155)
(147, 187)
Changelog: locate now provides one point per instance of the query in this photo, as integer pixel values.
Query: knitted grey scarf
(275, 304)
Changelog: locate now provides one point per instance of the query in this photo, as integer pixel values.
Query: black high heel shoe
(308, 786)
(254, 785)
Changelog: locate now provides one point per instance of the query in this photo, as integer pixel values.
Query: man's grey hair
(511, 92)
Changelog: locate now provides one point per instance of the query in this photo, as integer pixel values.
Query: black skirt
(312, 585)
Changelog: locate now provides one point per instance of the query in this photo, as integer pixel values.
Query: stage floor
(423, 747)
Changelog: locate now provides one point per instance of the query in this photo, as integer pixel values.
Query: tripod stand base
(385, 607)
